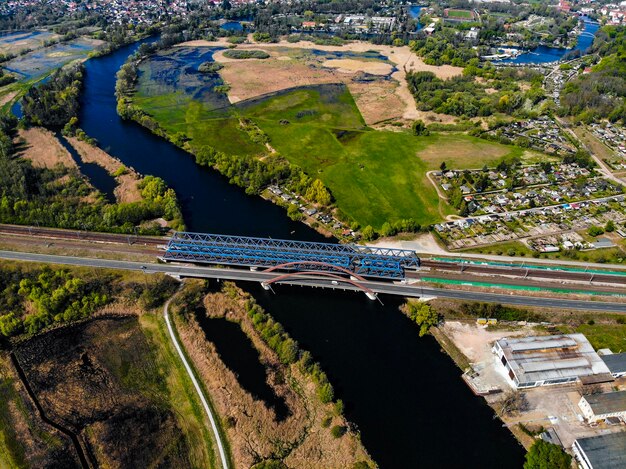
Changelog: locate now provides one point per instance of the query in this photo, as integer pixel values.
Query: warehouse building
(616, 362)
(601, 452)
(543, 360)
(601, 406)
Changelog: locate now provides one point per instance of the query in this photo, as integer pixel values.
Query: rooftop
(607, 403)
(548, 358)
(616, 362)
(605, 451)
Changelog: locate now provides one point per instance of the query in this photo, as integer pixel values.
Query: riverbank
(301, 427)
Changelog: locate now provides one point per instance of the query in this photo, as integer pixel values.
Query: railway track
(56, 233)
(525, 272)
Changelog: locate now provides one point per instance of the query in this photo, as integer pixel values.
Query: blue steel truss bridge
(291, 256)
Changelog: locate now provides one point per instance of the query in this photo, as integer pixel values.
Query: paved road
(205, 404)
(415, 291)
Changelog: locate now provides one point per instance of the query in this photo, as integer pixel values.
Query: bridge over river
(288, 259)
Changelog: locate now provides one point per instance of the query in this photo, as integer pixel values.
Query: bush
(326, 421)
(595, 230)
(246, 54)
(338, 431)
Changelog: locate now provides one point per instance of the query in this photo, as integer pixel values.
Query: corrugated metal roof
(616, 362)
(548, 358)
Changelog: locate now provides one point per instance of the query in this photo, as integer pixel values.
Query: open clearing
(127, 189)
(110, 380)
(13, 43)
(356, 52)
(43, 149)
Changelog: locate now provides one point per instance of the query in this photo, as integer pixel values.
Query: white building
(601, 406)
(543, 360)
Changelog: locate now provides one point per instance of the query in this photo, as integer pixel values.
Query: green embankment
(375, 176)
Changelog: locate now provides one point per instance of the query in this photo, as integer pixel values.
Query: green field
(375, 176)
(460, 14)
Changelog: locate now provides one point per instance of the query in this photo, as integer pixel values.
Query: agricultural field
(375, 176)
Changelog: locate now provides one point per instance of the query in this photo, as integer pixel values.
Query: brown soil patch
(253, 432)
(377, 101)
(352, 65)
(5, 98)
(251, 79)
(126, 190)
(43, 149)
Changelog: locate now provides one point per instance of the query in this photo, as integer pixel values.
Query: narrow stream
(97, 175)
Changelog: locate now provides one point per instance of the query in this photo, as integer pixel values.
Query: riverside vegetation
(60, 196)
(313, 433)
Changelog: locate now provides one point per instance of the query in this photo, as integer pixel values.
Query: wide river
(405, 395)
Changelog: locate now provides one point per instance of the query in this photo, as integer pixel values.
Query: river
(406, 396)
(544, 54)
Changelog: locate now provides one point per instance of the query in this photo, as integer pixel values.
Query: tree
(443, 166)
(387, 229)
(595, 230)
(544, 455)
(294, 213)
(423, 315)
(610, 226)
(317, 192)
(368, 233)
(419, 128)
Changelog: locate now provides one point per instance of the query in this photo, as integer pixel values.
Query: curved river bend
(404, 394)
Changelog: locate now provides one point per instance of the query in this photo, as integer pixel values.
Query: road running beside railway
(414, 291)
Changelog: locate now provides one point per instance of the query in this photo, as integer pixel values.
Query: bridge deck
(262, 252)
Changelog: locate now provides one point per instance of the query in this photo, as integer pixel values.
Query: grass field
(375, 176)
(460, 14)
(611, 336)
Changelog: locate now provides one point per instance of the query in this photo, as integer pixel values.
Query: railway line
(455, 267)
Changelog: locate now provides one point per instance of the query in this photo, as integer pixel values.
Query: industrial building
(616, 362)
(601, 406)
(601, 452)
(543, 360)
